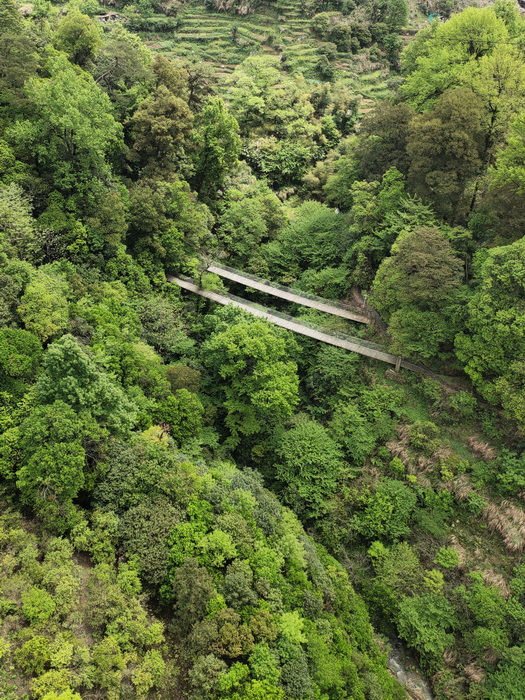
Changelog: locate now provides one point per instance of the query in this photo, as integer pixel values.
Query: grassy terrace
(279, 29)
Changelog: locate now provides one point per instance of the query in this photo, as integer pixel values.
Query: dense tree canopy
(160, 457)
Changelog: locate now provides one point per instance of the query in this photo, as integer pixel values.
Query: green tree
(396, 15)
(446, 148)
(492, 349)
(498, 81)
(352, 431)
(218, 147)
(51, 456)
(510, 162)
(10, 17)
(43, 307)
(258, 381)
(422, 270)
(160, 128)
(182, 412)
(37, 605)
(166, 224)
(34, 656)
(20, 353)
(435, 61)
(79, 37)
(384, 137)
(69, 375)
(192, 589)
(387, 511)
(18, 237)
(425, 623)
(310, 465)
(123, 68)
(71, 130)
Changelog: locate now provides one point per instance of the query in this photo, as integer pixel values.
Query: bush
(387, 512)
(447, 557)
(423, 436)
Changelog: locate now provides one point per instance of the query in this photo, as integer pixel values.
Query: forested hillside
(196, 504)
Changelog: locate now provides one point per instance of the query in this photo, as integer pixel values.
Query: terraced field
(281, 29)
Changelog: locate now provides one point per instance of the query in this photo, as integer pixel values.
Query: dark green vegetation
(161, 460)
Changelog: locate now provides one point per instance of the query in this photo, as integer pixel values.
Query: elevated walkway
(340, 340)
(293, 295)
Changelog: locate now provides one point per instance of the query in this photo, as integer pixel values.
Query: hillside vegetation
(195, 503)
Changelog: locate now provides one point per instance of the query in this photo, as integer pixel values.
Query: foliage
(257, 379)
(387, 511)
(309, 467)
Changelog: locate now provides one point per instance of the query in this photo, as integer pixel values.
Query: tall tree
(492, 351)
(435, 61)
(79, 37)
(70, 376)
(414, 288)
(160, 128)
(71, 130)
(422, 270)
(310, 465)
(123, 67)
(446, 147)
(218, 147)
(258, 381)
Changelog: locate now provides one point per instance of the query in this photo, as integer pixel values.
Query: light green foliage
(216, 548)
(71, 129)
(37, 605)
(71, 376)
(33, 656)
(182, 412)
(510, 162)
(435, 60)
(263, 98)
(263, 663)
(258, 380)
(398, 574)
(291, 627)
(492, 349)
(447, 557)
(353, 432)
(387, 511)
(10, 18)
(277, 114)
(218, 147)
(423, 435)
(260, 690)
(433, 581)
(18, 237)
(78, 36)
(43, 307)
(309, 468)
(506, 683)
(20, 353)
(250, 216)
(425, 622)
